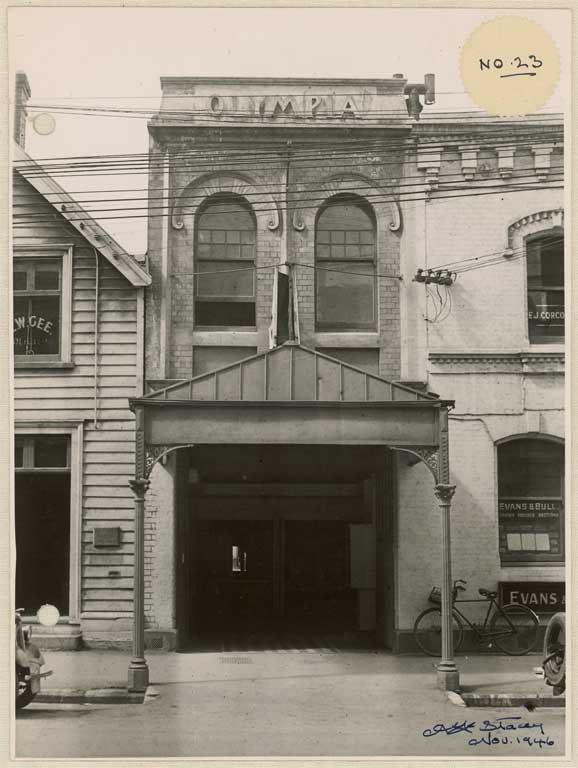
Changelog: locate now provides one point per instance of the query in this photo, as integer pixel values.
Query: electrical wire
(179, 203)
(331, 152)
(413, 196)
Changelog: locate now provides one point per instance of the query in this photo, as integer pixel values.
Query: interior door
(236, 573)
(317, 584)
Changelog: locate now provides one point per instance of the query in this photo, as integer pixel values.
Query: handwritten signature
(502, 730)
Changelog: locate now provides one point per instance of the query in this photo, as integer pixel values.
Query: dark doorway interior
(317, 591)
(282, 542)
(236, 579)
(42, 512)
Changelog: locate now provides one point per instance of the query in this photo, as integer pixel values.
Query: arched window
(345, 248)
(531, 500)
(225, 243)
(545, 264)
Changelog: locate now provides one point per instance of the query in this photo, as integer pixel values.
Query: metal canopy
(291, 395)
(288, 373)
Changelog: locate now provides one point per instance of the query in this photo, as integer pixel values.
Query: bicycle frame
(481, 632)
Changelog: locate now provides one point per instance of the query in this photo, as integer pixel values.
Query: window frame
(34, 254)
(241, 201)
(75, 433)
(366, 207)
(530, 238)
(528, 558)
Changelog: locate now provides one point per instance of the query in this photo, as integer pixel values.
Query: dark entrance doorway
(283, 539)
(236, 574)
(255, 575)
(42, 521)
(42, 511)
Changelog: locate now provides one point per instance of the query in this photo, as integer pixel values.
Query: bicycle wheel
(554, 650)
(517, 627)
(427, 631)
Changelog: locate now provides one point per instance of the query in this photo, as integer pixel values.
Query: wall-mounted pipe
(96, 325)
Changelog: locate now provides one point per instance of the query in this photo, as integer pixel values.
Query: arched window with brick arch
(531, 500)
(225, 251)
(345, 265)
(545, 270)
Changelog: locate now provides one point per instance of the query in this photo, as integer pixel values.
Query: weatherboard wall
(56, 396)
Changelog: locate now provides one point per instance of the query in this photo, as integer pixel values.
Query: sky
(114, 57)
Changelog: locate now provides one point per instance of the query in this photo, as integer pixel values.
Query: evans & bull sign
(540, 596)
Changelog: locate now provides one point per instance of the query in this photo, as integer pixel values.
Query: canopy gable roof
(290, 372)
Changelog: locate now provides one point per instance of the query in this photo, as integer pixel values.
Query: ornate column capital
(139, 486)
(444, 492)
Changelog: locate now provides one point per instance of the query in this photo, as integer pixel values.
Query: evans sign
(540, 596)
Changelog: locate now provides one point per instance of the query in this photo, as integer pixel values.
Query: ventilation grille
(235, 660)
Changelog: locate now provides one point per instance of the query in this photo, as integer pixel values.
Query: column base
(138, 676)
(448, 677)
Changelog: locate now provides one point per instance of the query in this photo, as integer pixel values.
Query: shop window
(531, 501)
(41, 302)
(345, 248)
(225, 264)
(545, 264)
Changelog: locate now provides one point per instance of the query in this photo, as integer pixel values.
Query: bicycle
(513, 628)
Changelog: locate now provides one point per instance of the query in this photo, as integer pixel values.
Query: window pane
(345, 300)
(226, 215)
(530, 504)
(18, 453)
(46, 278)
(19, 281)
(236, 280)
(351, 215)
(50, 451)
(545, 315)
(545, 257)
(530, 468)
(37, 325)
(225, 314)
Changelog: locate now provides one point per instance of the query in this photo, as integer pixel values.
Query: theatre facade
(321, 370)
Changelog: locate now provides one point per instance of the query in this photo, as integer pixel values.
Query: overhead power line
(352, 188)
(264, 147)
(301, 150)
(343, 164)
(413, 196)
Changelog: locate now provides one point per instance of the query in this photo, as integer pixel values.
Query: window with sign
(225, 264)
(41, 305)
(345, 250)
(531, 501)
(545, 265)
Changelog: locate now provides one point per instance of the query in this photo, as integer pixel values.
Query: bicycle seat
(487, 593)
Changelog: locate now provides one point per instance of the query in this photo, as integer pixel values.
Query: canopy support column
(448, 675)
(447, 672)
(138, 671)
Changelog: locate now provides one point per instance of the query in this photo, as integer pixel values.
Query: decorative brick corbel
(469, 153)
(542, 160)
(429, 163)
(506, 161)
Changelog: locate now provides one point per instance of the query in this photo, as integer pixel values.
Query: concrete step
(62, 637)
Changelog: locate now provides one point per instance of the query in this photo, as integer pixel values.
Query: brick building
(284, 314)
(342, 279)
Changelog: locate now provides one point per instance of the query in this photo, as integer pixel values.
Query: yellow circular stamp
(510, 66)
